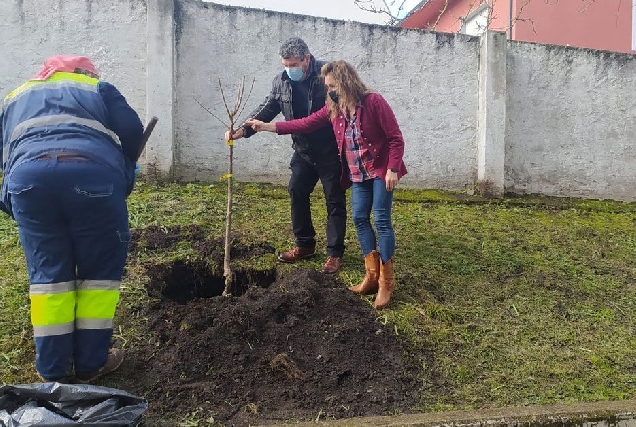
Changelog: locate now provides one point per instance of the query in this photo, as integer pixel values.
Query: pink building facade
(595, 24)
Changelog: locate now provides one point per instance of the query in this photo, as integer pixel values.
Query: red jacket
(378, 128)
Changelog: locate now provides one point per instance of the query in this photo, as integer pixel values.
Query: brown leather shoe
(115, 357)
(298, 253)
(332, 265)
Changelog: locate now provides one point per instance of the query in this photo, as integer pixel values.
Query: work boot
(63, 380)
(296, 254)
(369, 284)
(115, 357)
(332, 265)
(386, 285)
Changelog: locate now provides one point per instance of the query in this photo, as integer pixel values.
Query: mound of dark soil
(301, 347)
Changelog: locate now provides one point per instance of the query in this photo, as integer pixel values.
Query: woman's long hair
(351, 89)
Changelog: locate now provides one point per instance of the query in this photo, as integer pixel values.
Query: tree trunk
(227, 270)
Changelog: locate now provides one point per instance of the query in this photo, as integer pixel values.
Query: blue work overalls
(65, 183)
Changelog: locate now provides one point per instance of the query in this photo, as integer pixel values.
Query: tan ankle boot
(386, 285)
(370, 283)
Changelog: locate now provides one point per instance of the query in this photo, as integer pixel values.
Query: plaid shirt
(378, 129)
(359, 158)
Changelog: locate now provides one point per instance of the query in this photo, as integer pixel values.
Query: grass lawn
(519, 300)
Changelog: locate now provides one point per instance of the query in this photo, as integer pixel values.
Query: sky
(335, 9)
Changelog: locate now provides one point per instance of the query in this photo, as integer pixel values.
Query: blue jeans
(367, 195)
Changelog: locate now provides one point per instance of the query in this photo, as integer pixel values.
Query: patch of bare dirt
(292, 347)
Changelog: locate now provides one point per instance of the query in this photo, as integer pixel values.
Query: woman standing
(371, 148)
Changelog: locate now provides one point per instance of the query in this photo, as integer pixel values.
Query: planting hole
(182, 281)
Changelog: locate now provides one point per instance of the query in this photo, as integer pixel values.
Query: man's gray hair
(294, 47)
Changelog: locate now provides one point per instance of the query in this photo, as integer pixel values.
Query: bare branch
(210, 112)
(224, 101)
(239, 98)
(247, 99)
(518, 17)
(369, 6)
(441, 12)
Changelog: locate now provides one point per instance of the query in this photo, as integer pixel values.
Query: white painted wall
(571, 122)
(112, 33)
(476, 22)
(562, 124)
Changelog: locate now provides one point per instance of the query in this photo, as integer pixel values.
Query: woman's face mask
(331, 86)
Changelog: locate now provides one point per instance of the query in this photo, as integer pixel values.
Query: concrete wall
(415, 71)
(112, 33)
(571, 117)
(499, 115)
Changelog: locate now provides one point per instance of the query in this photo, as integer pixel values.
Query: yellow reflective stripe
(35, 86)
(46, 86)
(75, 77)
(94, 323)
(52, 309)
(47, 331)
(20, 89)
(96, 304)
(55, 78)
(99, 284)
(51, 288)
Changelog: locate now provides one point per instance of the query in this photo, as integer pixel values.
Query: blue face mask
(295, 73)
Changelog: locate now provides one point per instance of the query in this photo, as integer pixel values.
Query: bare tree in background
(233, 115)
(490, 14)
(388, 7)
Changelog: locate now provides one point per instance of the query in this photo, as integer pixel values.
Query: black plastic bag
(56, 405)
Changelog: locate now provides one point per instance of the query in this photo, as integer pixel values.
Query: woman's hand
(391, 180)
(259, 126)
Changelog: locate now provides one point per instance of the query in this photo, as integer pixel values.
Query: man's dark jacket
(316, 146)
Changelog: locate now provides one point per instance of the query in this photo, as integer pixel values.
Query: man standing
(69, 146)
(297, 92)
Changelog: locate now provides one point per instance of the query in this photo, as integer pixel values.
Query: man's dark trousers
(304, 177)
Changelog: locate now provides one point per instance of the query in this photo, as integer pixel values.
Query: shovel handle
(147, 131)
